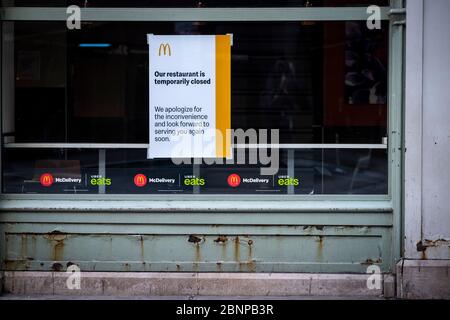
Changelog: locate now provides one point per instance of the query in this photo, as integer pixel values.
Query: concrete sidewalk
(156, 285)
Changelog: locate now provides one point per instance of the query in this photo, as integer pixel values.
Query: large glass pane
(316, 82)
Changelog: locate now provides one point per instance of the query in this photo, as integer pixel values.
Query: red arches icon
(234, 180)
(46, 179)
(140, 180)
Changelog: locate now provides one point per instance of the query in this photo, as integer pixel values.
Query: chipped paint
(195, 239)
(221, 239)
(370, 262)
(57, 239)
(217, 252)
(428, 248)
(57, 266)
(436, 243)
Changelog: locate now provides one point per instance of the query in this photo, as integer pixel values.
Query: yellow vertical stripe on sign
(223, 96)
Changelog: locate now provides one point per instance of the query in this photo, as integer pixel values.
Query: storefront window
(87, 90)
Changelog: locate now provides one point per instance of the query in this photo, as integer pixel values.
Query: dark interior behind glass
(317, 82)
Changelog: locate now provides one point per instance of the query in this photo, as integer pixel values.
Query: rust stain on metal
(424, 255)
(250, 250)
(320, 248)
(195, 239)
(57, 238)
(310, 229)
(57, 266)
(436, 243)
(198, 256)
(249, 264)
(221, 239)
(423, 249)
(420, 247)
(237, 253)
(371, 262)
(55, 235)
(58, 249)
(141, 243)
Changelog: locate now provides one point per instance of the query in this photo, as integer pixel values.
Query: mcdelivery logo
(234, 180)
(46, 179)
(140, 180)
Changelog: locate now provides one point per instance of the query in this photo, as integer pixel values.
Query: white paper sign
(183, 94)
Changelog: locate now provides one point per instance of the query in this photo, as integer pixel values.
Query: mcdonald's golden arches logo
(165, 48)
(46, 180)
(140, 180)
(234, 180)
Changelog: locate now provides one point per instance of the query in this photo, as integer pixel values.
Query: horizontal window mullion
(192, 14)
(196, 203)
(76, 146)
(145, 146)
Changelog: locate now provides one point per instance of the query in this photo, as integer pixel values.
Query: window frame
(306, 202)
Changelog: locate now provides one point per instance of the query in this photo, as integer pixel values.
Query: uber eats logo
(193, 181)
(100, 181)
(286, 181)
